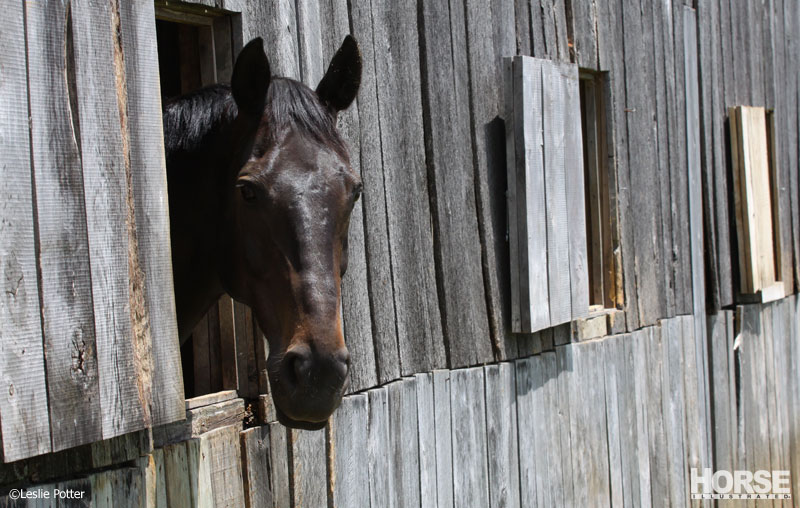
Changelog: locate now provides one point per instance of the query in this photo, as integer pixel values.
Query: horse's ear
(339, 86)
(251, 76)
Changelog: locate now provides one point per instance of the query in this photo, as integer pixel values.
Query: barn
(573, 273)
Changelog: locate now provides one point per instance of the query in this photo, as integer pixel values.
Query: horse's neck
(195, 209)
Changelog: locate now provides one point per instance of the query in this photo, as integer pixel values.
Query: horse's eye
(248, 191)
(357, 192)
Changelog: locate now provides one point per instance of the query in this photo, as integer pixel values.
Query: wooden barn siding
(87, 285)
(426, 134)
(612, 422)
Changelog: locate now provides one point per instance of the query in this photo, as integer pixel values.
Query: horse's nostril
(298, 364)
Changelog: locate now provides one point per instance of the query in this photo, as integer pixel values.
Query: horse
(260, 192)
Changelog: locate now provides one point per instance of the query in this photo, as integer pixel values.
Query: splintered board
(753, 170)
(546, 201)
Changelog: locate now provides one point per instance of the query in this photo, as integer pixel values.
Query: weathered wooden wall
(451, 407)
(88, 340)
(612, 422)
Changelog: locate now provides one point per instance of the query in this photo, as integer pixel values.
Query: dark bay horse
(260, 195)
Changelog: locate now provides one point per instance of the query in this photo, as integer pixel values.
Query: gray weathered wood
(349, 475)
(720, 329)
(525, 388)
(582, 28)
(528, 164)
(67, 316)
(644, 191)
(201, 420)
(641, 462)
(221, 447)
(110, 217)
(659, 481)
(443, 438)
(553, 114)
(383, 487)
(611, 58)
(199, 473)
(576, 193)
(309, 32)
(257, 484)
(662, 78)
(426, 430)
(696, 226)
(467, 405)
(279, 465)
(381, 289)
(176, 474)
(448, 149)
(501, 435)
(403, 441)
(408, 214)
(308, 468)
(588, 427)
(613, 350)
(276, 23)
(25, 424)
(673, 409)
(487, 45)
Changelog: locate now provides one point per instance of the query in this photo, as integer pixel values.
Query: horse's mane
(190, 118)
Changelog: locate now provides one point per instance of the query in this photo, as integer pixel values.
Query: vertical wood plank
(655, 420)
(383, 488)
(349, 461)
(104, 148)
(403, 441)
(582, 29)
(308, 467)
(381, 290)
(613, 349)
(309, 42)
(673, 407)
(488, 43)
(470, 475)
(257, 482)
(525, 385)
(221, 447)
(396, 45)
(426, 430)
(576, 194)
(24, 424)
(176, 474)
(696, 228)
(276, 23)
(443, 438)
(527, 162)
(555, 192)
(246, 363)
(610, 42)
(448, 149)
(67, 316)
(501, 435)
(279, 465)
(644, 192)
(663, 74)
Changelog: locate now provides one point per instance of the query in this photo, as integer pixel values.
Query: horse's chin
(298, 424)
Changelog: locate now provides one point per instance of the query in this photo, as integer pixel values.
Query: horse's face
(289, 210)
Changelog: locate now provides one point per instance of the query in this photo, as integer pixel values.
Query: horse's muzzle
(308, 385)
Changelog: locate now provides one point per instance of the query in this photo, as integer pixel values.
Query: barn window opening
(196, 48)
(604, 282)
